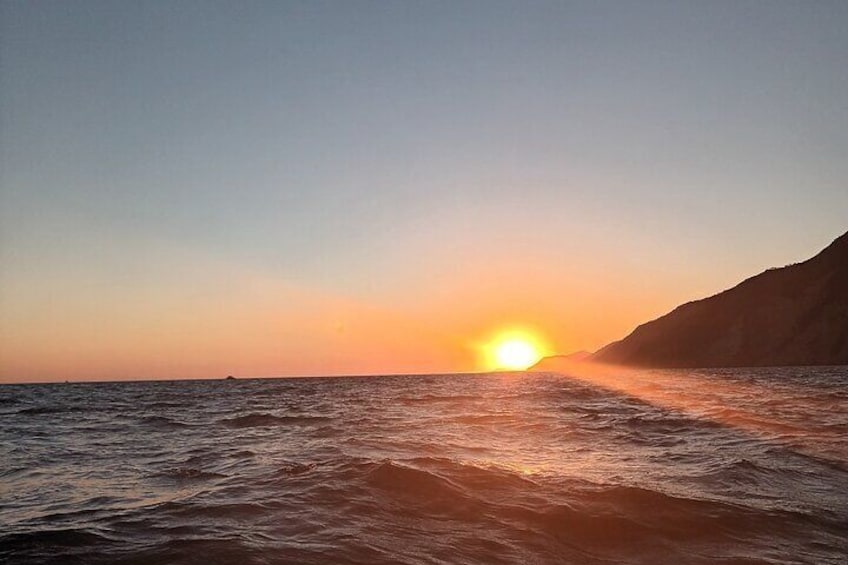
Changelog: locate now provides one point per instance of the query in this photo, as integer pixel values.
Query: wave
(221, 548)
(188, 474)
(242, 454)
(485, 419)
(265, 420)
(50, 546)
(438, 470)
(595, 521)
(436, 398)
(167, 404)
(38, 410)
(80, 546)
(163, 422)
(293, 468)
(390, 475)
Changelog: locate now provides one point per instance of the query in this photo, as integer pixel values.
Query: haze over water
(722, 466)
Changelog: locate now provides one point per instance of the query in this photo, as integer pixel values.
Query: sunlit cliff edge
(794, 315)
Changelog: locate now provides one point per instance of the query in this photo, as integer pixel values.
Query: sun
(513, 351)
(516, 354)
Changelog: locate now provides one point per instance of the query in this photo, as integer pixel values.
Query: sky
(197, 189)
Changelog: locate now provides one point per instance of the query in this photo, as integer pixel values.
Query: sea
(598, 466)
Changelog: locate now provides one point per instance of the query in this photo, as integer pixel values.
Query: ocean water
(721, 466)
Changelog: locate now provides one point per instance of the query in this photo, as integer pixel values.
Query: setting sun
(516, 354)
(513, 351)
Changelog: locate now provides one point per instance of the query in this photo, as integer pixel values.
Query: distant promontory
(794, 315)
(556, 362)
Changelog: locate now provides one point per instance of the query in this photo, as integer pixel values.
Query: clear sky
(207, 188)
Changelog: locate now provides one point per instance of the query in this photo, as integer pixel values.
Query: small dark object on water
(230, 378)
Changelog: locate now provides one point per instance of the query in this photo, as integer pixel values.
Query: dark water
(742, 466)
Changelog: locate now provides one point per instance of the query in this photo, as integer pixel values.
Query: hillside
(794, 315)
(556, 363)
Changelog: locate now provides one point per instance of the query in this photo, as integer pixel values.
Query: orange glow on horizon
(205, 318)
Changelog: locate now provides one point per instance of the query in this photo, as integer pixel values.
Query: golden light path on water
(712, 394)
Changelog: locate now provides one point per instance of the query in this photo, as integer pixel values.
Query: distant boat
(230, 378)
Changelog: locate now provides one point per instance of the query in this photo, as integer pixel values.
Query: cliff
(795, 315)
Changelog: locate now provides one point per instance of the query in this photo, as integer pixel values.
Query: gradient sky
(197, 189)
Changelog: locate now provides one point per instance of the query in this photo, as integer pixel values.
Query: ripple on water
(698, 467)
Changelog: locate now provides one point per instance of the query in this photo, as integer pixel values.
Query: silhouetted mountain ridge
(556, 362)
(793, 315)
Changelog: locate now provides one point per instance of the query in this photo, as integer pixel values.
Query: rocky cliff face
(795, 315)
